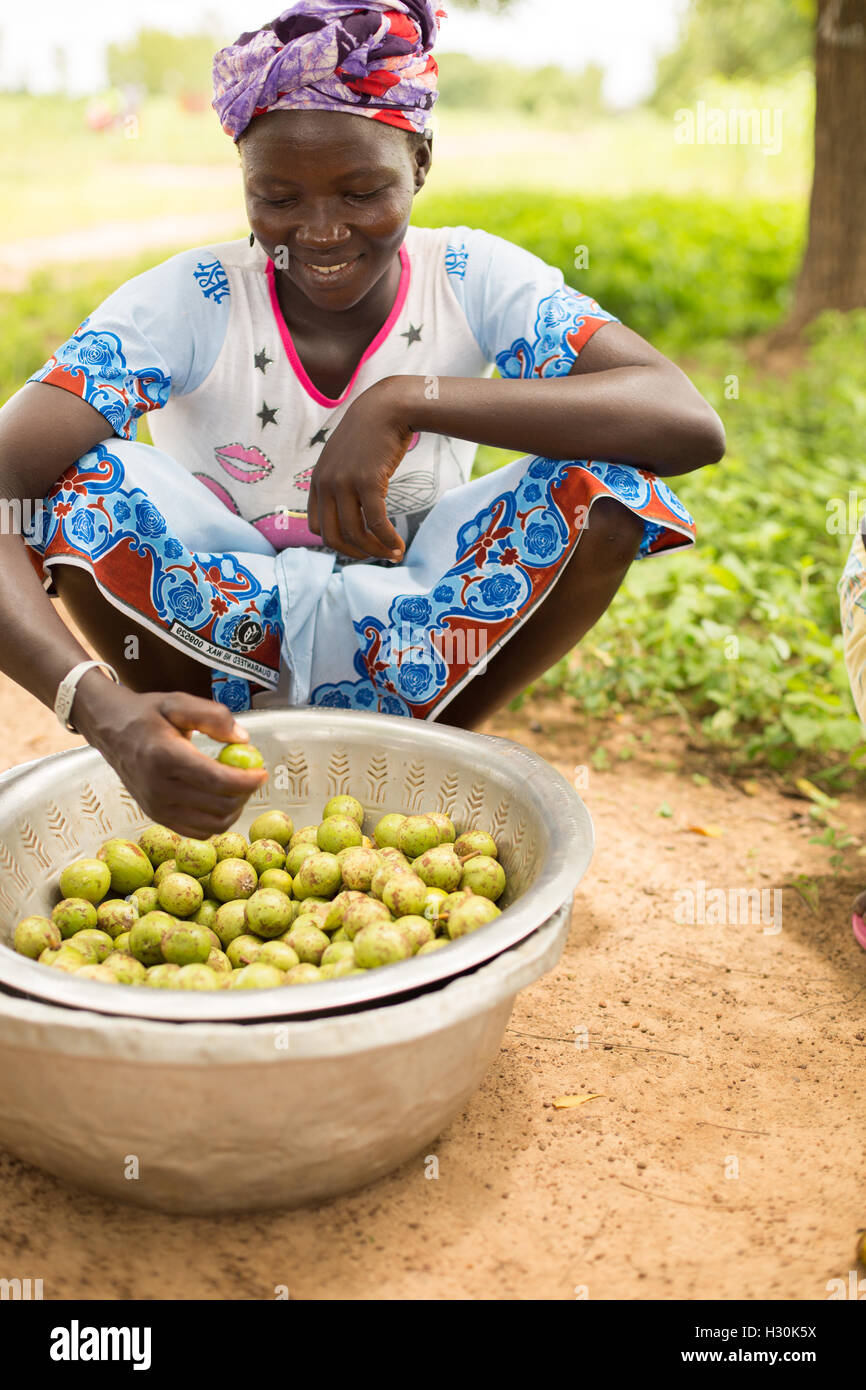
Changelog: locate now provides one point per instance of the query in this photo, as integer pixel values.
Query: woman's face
(335, 190)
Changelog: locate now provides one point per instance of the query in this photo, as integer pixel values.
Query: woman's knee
(612, 533)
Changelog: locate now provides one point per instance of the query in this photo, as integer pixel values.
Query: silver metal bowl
(64, 806)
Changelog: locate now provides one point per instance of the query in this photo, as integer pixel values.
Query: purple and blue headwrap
(372, 59)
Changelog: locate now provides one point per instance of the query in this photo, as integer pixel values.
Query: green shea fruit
(338, 832)
(145, 938)
(102, 973)
(273, 825)
(302, 974)
(418, 928)
(416, 835)
(100, 941)
(181, 895)
(338, 906)
(195, 857)
(35, 934)
(382, 877)
(168, 866)
(276, 878)
(244, 950)
(49, 955)
(384, 943)
(279, 954)
(186, 944)
(485, 876)
(387, 829)
(445, 825)
(364, 913)
(435, 945)
(338, 950)
(128, 865)
(449, 903)
(297, 854)
(159, 843)
(268, 913)
(121, 943)
(265, 854)
(232, 879)
(344, 966)
(475, 842)
(326, 972)
(69, 960)
(308, 943)
(125, 968)
(74, 914)
(432, 906)
(307, 835)
(358, 867)
(471, 914)
(231, 922)
(405, 894)
(231, 845)
(240, 755)
(318, 877)
(439, 868)
(257, 976)
(312, 914)
(86, 878)
(198, 976)
(145, 899)
(344, 806)
(219, 962)
(162, 976)
(207, 913)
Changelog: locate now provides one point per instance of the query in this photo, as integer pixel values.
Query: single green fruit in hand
(35, 934)
(125, 968)
(338, 950)
(484, 876)
(243, 950)
(145, 938)
(358, 867)
(279, 954)
(338, 832)
(186, 944)
(268, 912)
(231, 845)
(231, 879)
(168, 866)
(364, 913)
(344, 806)
(100, 941)
(240, 755)
(86, 878)
(418, 928)
(318, 877)
(276, 878)
(296, 856)
(471, 914)
(162, 976)
(445, 826)
(308, 942)
(231, 921)
(116, 915)
(128, 865)
(97, 972)
(265, 854)
(69, 960)
(387, 829)
(159, 843)
(302, 974)
(307, 835)
(475, 842)
(416, 835)
(439, 868)
(145, 899)
(72, 915)
(207, 913)
(198, 976)
(195, 857)
(219, 962)
(382, 944)
(405, 894)
(181, 895)
(273, 825)
(257, 976)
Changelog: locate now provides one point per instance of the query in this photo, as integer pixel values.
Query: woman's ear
(423, 161)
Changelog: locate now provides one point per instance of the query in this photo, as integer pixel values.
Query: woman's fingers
(354, 530)
(376, 517)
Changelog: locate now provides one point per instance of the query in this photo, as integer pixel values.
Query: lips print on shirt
(244, 463)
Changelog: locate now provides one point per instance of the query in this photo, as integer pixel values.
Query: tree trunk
(833, 273)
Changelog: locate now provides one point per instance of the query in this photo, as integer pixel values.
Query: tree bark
(833, 272)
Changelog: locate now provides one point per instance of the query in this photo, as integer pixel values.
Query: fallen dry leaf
(714, 831)
(569, 1102)
(751, 788)
(813, 793)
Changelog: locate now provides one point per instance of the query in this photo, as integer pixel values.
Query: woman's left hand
(349, 484)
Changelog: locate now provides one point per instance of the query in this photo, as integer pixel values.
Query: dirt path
(721, 1160)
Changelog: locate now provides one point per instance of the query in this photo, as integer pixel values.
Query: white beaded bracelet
(68, 686)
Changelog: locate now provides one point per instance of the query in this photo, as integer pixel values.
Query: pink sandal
(859, 928)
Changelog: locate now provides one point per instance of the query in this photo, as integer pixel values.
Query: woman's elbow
(703, 440)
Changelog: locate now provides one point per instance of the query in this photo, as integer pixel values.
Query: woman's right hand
(146, 739)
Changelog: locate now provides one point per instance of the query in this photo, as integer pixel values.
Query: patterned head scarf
(372, 59)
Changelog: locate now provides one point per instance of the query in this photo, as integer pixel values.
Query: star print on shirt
(320, 437)
(413, 335)
(262, 360)
(267, 415)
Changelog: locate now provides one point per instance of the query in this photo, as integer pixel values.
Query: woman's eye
(365, 197)
(279, 202)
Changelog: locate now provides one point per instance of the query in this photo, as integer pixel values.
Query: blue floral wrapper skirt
(293, 626)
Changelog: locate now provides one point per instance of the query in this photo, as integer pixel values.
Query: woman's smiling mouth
(328, 274)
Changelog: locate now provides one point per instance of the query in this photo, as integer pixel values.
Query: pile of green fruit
(283, 906)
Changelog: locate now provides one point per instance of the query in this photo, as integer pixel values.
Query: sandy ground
(721, 1159)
